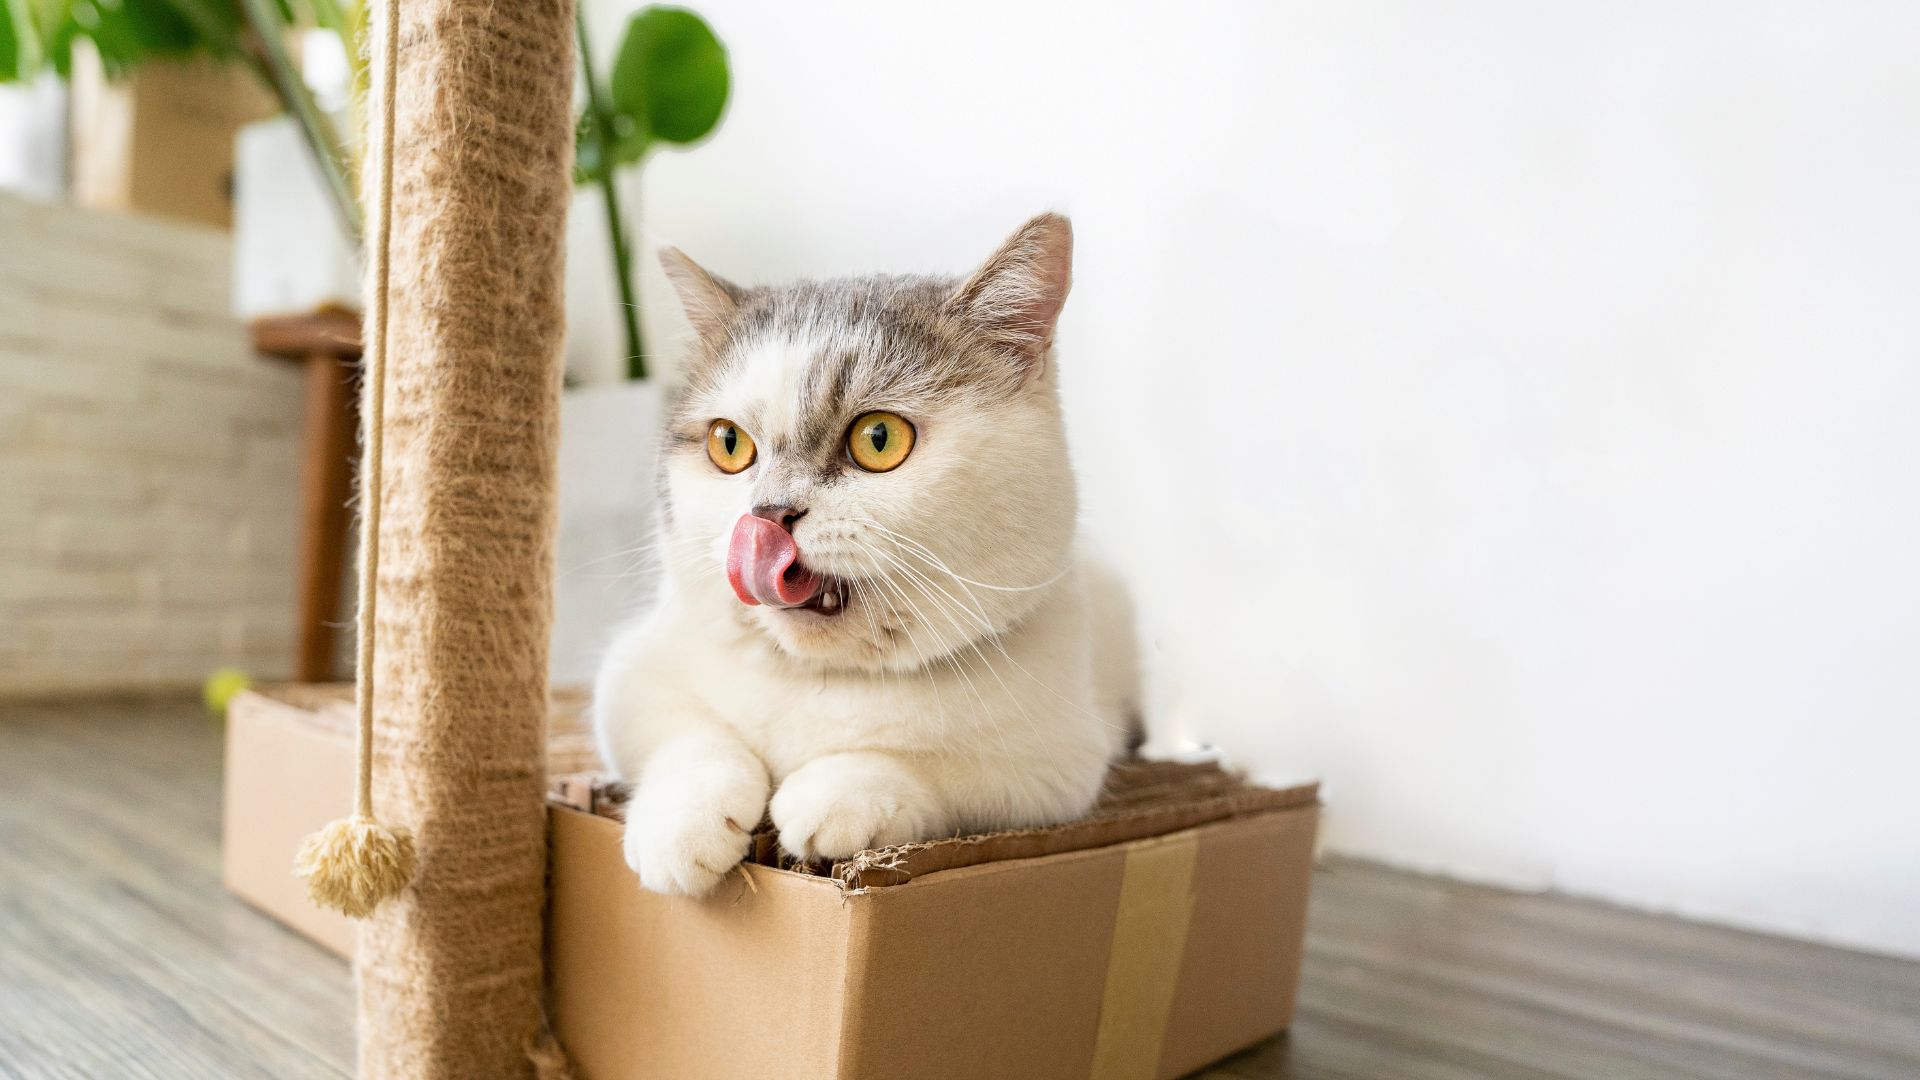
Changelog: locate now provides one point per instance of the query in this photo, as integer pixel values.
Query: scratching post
(450, 970)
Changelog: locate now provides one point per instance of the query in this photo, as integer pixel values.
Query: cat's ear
(709, 300)
(1014, 299)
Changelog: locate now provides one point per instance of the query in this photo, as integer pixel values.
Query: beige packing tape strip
(1143, 966)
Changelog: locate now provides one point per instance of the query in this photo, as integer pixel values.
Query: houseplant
(668, 86)
(38, 36)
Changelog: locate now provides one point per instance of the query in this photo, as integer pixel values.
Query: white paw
(683, 837)
(830, 811)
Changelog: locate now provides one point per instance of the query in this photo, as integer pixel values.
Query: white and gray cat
(874, 622)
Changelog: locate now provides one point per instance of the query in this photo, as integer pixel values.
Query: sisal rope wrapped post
(449, 970)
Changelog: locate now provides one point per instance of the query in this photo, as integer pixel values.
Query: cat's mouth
(764, 567)
(831, 598)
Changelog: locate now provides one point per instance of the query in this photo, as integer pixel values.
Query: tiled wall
(149, 466)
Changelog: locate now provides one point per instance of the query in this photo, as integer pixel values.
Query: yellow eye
(728, 446)
(880, 441)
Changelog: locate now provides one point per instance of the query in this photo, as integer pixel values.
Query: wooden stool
(327, 344)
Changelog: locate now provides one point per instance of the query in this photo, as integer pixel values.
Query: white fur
(706, 714)
(766, 383)
(956, 692)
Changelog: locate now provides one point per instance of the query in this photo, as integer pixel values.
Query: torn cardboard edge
(1143, 798)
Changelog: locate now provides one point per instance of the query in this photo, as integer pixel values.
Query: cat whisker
(927, 555)
(946, 608)
(939, 702)
(995, 641)
(953, 664)
(987, 663)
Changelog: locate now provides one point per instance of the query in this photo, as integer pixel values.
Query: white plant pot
(605, 569)
(291, 255)
(596, 348)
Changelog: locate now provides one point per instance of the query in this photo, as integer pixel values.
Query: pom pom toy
(355, 863)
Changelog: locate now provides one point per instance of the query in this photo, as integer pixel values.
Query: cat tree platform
(1160, 934)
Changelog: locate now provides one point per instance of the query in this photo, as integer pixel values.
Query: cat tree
(450, 976)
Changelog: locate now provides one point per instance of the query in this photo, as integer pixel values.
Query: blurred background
(1505, 412)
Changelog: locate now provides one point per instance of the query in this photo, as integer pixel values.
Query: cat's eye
(729, 447)
(880, 441)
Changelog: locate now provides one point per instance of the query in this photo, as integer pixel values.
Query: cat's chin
(826, 630)
(845, 637)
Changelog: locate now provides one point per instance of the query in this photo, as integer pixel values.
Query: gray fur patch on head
(876, 342)
(873, 342)
(888, 341)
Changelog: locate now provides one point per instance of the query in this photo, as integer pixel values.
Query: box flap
(1143, 798)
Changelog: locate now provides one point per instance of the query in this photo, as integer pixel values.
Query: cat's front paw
(682, 840)
(835, 807)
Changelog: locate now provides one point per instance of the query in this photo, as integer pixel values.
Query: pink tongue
(758, 559)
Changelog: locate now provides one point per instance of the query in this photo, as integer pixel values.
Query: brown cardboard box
(1160, 935)
(161, 140)
(290, 771)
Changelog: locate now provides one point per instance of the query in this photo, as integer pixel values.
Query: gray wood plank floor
(121, 956)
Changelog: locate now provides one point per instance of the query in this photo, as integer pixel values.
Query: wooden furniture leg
(326, 485)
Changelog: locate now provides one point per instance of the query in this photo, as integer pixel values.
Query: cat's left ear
(1014, 299)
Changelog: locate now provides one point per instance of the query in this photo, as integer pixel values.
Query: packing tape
(1143, 966)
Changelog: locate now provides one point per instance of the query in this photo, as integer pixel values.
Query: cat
(875, 624)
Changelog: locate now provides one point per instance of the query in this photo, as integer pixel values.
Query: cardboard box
(1159, 935)
(161, 140)
(290, 771)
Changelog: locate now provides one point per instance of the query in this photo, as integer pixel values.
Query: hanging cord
(355, 863)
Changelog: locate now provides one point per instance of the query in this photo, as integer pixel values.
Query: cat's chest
(793, 717)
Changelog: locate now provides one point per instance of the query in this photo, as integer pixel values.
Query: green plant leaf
(670, 78)
(625, 145)
(630, 140)
(48, 12)
(330, 15)
(154, 27)
(19, 41)
(40, 33)
(110, 31)
(587, 161)
(216, 26)
(59, 46)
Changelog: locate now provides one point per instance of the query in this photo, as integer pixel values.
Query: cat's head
(873, 471)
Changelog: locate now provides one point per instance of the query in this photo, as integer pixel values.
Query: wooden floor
(120, 956)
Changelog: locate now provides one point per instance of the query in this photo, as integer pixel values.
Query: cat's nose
(780, 514)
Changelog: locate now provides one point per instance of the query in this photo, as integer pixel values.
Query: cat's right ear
(709, 300)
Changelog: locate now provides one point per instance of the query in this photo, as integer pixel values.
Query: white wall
(1507, 411)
